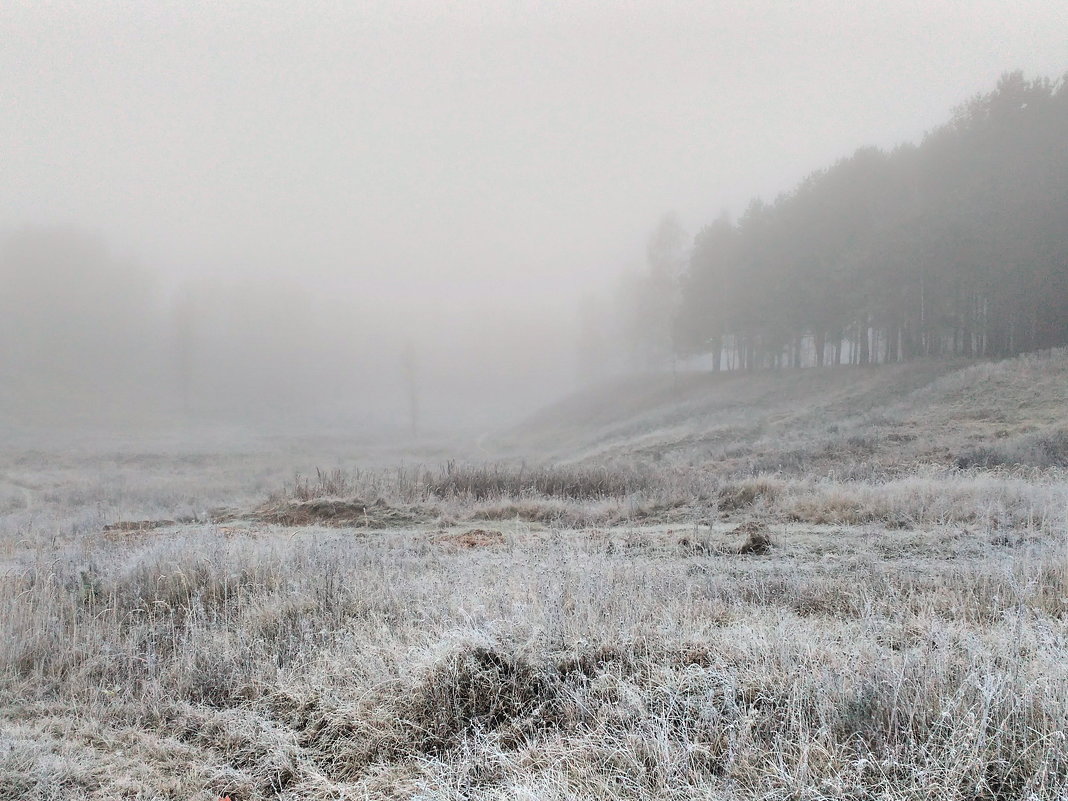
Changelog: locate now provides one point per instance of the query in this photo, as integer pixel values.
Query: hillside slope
(946, 412)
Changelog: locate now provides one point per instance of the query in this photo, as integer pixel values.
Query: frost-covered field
(492, 632)
(773, 586)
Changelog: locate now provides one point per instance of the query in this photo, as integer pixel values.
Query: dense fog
(399, 216)
(92, 337)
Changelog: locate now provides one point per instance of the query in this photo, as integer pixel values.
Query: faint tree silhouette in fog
(651, 297)
(77, 319)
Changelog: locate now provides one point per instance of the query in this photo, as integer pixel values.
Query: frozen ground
(185, 622)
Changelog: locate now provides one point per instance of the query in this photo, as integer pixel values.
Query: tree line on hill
(953, 247)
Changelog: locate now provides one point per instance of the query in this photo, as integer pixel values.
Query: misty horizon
(324, 190)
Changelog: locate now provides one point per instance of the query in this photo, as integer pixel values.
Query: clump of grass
(930, 496)
(334, 483)
(757, 543)
(745, 493)
(1043, 449)
(567, 495)
(479, 690)
(478, 482)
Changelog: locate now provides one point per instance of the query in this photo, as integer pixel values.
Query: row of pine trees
(953, 247)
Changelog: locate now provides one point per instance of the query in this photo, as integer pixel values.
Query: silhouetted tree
(651, 298)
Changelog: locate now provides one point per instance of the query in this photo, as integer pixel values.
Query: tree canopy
(956, 246)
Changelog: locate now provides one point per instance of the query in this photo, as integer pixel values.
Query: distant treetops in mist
(957, 246)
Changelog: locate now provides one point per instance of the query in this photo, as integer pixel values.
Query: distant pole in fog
(183, 328)
(411, 380)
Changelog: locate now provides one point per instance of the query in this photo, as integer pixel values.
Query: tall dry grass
(1008, 498)
(584, 496)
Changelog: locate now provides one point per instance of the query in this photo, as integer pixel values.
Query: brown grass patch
(475, 538)
(330, 512)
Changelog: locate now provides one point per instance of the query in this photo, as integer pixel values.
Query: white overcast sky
(440, 150)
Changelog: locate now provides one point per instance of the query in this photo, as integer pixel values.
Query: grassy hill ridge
(946, 412)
